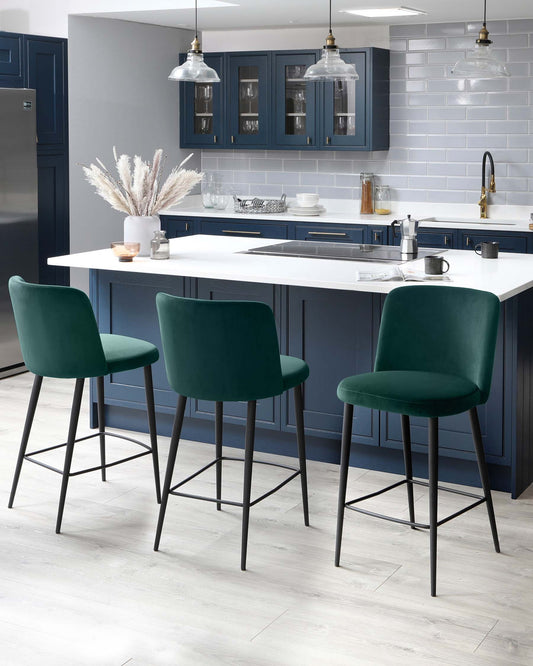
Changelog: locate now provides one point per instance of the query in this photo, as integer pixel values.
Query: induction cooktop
(343, 251)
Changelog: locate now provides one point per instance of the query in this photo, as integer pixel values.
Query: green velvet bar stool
(227, 351)
(59, 338)
(434, 358)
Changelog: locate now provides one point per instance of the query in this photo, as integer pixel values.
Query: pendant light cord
(330, 15)
(196, 19)
(485, 13)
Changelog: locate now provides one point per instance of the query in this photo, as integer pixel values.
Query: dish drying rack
(259, 205)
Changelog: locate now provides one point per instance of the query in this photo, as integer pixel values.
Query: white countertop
(340, 211)
(220, 258)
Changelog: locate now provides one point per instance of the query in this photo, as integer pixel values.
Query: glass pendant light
(194, 68)
(480, 62)
(331, 67)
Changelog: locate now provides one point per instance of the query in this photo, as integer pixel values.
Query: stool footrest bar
(29, 457)
(173, 489)
(402, 521)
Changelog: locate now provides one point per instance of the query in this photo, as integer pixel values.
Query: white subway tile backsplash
(487, 142)
(440, 128)
(426, 44)
(446, 141)
(415, 58)
(447, 113)
(445, 29)
(507, 126)
(486, 112)
(467, 127)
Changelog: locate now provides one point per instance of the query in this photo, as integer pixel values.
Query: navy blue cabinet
(202, 109)
(125, 304)
(177, 226)
(234, 112)
(53, 212)
(41, 63)
(11, 74)
(245, 227)
(295, 101)
(509, 242)
(270, 84)
(45, 71)
(248, 100)
(351, 233)
(335, 332)
(376, 234)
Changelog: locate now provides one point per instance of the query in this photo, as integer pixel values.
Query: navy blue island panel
(336, 333)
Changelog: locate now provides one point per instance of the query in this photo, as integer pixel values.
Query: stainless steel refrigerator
(19, 254)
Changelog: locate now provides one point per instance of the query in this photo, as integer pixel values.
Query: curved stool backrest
(451, 330)
(220, 350)
(57, 330)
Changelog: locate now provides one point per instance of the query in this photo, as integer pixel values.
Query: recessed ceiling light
(385, 13)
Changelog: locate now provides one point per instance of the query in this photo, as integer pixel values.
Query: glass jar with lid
(382, 200)
(367, 193)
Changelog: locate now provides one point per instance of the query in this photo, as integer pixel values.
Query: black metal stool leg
(152, 428)
(74, 416)
(484, 474)
(36, 389)
(345, 459)
(174, 441)
(408, 461)
(300, 437)
(218, 451)
(247, 488)
(433, 466)
(101, 422)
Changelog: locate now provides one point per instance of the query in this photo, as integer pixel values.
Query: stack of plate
(306, 204)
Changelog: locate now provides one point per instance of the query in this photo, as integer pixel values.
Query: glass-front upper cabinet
(249, 99)
(202, 109)
(295, 107)
(344, 107)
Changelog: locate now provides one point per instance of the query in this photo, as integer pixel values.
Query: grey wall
(119, 95)
(440, 128)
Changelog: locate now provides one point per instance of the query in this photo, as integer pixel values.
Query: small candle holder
(125, 250)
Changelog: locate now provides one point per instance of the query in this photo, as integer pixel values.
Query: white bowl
(307, 199)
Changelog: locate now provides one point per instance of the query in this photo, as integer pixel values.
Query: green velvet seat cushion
(293, 370)
(124, 353)
(411, 392)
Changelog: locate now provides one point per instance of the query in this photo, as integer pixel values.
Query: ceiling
(250, 14)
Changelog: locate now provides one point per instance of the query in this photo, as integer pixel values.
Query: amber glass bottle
(367, 193)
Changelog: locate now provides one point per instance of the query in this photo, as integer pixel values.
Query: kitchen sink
(458, 220)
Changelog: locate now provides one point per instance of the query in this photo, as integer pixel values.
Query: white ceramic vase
(140, 229)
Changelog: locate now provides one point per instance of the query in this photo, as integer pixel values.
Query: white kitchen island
(332, 320)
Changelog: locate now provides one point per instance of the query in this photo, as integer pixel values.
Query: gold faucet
(483, 202)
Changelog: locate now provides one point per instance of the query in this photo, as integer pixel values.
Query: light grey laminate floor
(98, 595)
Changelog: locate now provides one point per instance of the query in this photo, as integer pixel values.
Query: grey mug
(435, 265)
(488, 249)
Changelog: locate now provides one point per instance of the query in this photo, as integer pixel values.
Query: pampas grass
(141, 191)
